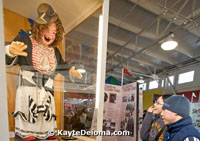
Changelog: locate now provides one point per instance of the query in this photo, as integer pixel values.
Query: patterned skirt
(34, 112)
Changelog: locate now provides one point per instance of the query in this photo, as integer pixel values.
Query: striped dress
(35, 106)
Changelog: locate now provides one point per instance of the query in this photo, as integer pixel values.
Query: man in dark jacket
(175, 115)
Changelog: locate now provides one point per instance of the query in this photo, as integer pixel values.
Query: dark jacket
(180, 130)
(151, 126)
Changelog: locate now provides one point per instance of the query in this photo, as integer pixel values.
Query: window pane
(142, 86)
(162, 83)
(171, 79)
(153, 84)
(186, 77)
(45, 80)
(79, 98)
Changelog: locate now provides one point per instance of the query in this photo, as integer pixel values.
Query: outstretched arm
(17, 48)
(64, 68)
(73, 72)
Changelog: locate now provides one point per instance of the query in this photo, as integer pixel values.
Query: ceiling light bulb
(169, 45)
(81, 70)
(140, 81)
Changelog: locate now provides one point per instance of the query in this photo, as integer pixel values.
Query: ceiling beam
(131, 28)
(185, 50)
(152, 54)
(134, 68)
(130, 46)
(141, 61)
(156, 9)
(143, 33)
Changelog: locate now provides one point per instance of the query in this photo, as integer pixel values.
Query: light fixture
(140, 80)
(81, 68)
(169, 43)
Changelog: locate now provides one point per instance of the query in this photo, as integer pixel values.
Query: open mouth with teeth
(47, 39)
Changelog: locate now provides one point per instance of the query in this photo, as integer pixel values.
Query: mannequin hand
(150, 109)
(17, 48)
(75, 73)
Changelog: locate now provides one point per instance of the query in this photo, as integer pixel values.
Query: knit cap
(178, 104)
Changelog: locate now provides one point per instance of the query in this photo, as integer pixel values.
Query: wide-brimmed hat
(46, 14)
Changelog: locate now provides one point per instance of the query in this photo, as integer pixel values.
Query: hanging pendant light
(140, 80)
(81, 68)
(169, 43)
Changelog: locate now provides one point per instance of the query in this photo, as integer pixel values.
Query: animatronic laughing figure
(39, 62)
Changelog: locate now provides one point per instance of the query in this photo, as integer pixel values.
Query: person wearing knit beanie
(175, 115)
(153, 128)
(178, 104)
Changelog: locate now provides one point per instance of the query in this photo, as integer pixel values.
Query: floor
(57, 139)
(81, 138)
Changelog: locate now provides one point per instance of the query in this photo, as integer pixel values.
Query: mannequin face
(158, 106)
(49, 35)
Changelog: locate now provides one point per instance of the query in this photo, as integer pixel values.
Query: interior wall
(185, 87)
(195, 85)
(12, 25)
(148, 97)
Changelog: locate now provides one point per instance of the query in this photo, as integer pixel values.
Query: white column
(101, 65)
(4, 132)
